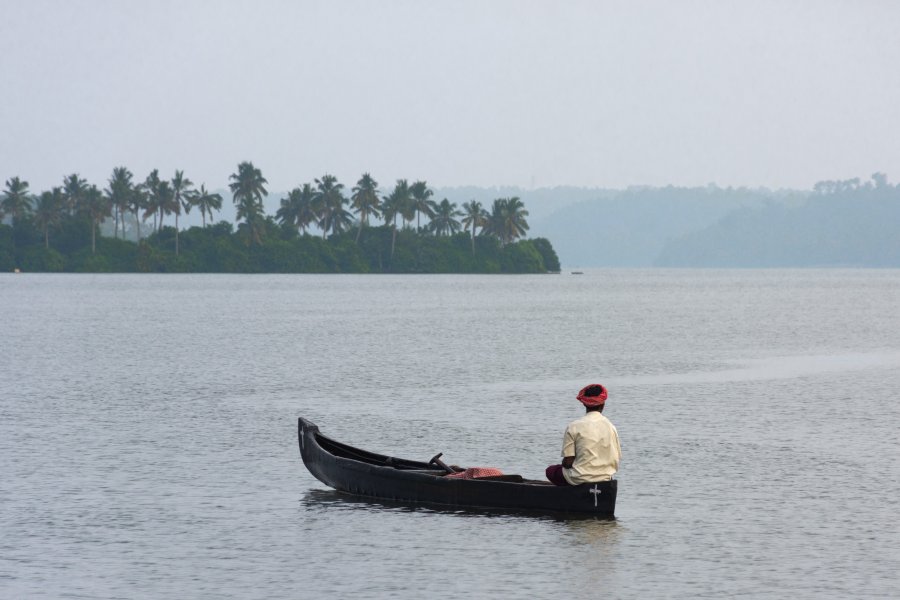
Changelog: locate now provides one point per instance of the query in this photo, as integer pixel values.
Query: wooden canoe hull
(371, 475)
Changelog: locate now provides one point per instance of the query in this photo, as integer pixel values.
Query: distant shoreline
(432, 237)
(217, 249)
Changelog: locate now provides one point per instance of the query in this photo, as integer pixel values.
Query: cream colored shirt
(594, 442)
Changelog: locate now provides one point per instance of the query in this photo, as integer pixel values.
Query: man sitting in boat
(590, 450)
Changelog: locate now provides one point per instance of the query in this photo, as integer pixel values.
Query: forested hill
(840, 224)
(631, 228)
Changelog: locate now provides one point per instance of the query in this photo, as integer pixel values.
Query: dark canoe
(364, 473)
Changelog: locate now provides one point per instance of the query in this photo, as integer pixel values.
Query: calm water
(148, 432)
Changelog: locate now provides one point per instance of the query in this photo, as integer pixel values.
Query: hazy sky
(534, 94)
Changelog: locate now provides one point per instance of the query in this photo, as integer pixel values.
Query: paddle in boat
(363, 473)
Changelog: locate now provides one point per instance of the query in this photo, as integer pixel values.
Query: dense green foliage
(220, 249)
(58, 230)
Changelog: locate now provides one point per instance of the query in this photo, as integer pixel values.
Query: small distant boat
(362, 473)
(577, 272)
(16, 270)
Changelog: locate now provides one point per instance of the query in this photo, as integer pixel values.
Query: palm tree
(394, 205)
(404, 204)
(165, 198)
(333, 215)
(48, 212)
(421, 201)
(290, 208)
(119, 194)
(16, 200)
(74, 188)
(474, 216)
(138, 201)
(365, 201)
(507, 219)
(181, 198)
(96, 206)
(444, 221)
(308, 211)
(300, 209)
(248, 189)
(206, 202)
(152, 204)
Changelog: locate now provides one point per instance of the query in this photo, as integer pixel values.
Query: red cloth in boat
(475, 473)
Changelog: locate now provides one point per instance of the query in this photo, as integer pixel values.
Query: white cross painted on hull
(596, 492)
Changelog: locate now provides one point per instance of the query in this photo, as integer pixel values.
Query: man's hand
(568, 461)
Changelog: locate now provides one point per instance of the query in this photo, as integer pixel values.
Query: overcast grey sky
(591, 93)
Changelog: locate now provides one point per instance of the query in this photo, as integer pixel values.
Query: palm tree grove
(132, 225)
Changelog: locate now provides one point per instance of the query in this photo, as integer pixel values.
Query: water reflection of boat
(333, 500)
(371, 475)
(594, 532)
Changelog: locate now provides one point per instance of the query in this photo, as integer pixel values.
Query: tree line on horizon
(322, 203)
(842, 223)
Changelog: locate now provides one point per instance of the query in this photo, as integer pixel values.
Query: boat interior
(345, 451)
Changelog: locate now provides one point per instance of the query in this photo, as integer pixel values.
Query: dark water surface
(148, 432)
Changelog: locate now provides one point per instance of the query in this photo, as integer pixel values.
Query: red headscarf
(592, 400)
